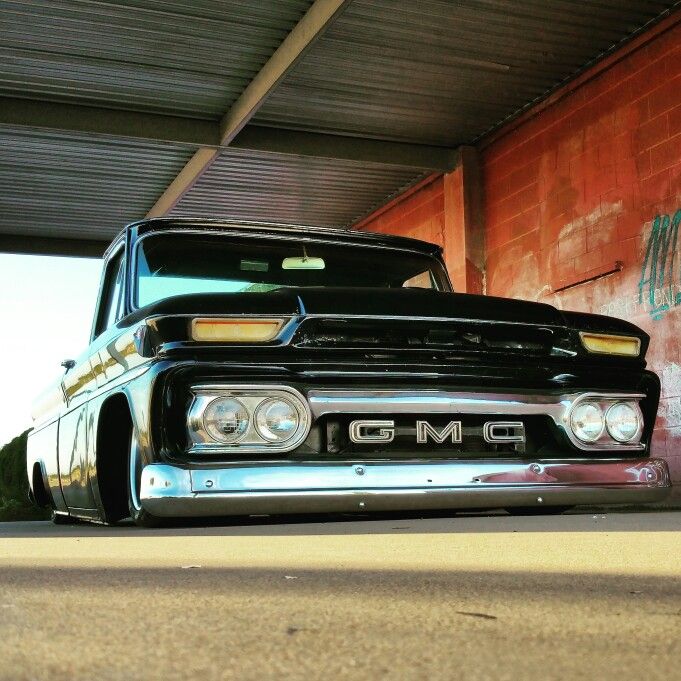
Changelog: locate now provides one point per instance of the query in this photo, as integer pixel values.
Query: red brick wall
(590, 184)
(433, 211)
(419, 214)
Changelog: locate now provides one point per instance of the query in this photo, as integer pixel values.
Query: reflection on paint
(660, 283)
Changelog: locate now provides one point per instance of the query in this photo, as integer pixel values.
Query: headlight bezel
(252, 397)
(606, 441)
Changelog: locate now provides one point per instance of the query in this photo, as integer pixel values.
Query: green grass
(14, 501)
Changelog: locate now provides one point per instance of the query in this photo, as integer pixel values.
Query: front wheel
(137, 513)
(537, 510)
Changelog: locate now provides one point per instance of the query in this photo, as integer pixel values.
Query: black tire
(537, 510)
(63, 519)
(137, 513)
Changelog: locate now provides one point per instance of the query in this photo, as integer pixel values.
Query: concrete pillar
(464, 239)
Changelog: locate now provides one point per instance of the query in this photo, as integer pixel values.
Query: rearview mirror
(304, 263)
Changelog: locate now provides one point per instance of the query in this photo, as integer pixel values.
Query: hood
(387, 319)
(358, 302)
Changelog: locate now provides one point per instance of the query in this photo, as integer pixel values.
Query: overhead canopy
(286, 110)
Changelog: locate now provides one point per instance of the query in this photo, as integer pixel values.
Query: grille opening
(418, 335)
(333, 440)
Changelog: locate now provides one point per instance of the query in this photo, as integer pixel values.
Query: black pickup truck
(257, 369)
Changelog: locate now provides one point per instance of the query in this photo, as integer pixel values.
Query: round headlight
(226, 419)
(622, 421)
(277, 420)
(587, 421)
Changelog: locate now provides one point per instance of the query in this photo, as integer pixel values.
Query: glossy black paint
(334, 338)
(263, 229)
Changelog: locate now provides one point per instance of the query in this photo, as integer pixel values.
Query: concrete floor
(576, 596)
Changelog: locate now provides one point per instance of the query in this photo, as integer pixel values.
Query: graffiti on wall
(659, 286)
(660, 283)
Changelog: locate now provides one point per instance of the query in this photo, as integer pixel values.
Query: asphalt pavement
(579, 596)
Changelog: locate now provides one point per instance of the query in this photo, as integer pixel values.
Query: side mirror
(68, 364)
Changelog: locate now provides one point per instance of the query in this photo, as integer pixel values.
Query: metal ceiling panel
(439, 72)
(443, 72)
(253, 185)
(170, 56)
(77, 186)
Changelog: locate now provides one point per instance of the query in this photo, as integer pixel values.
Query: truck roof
(345, 236)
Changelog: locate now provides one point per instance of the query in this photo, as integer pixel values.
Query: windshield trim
(440, 272)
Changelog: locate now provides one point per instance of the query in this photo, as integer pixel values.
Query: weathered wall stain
(660, 282)
(670, 405)
(671, 378)
(671, 411)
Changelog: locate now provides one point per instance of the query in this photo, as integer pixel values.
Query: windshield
(177, 264)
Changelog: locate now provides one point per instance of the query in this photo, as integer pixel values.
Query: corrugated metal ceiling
(427, 71)
(253, 185)
(192, 58)
(77, 186)
(444, 72)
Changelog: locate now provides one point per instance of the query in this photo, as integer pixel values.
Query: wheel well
(113, 440)
(40, 495)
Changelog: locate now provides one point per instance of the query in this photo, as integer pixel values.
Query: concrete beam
(321, 145)
(193, 132)
(314, 23)
(201, 159)
(67, 117)
(42, 245)
(464, 243)
(78, 118)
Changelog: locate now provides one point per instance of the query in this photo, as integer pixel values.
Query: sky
(46, 308)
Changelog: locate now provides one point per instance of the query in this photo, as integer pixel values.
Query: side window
(422, 280)
(114, 303)
(112, 295)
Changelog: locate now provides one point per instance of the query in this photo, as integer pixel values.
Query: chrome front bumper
(168, 490)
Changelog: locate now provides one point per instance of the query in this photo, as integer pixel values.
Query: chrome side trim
(359, 486)
(558, 407)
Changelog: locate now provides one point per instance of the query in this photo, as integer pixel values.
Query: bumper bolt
(359, 470)
(209, 483)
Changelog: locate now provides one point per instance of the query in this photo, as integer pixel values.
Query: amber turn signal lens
(236, 330)
(606, 344)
